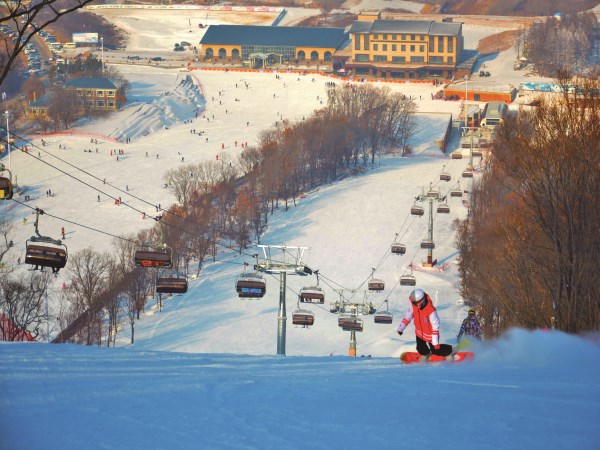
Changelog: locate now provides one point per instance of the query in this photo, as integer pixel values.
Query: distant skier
(470, 327)
(427, 325)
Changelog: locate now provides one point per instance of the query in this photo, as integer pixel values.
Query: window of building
(399, 59)
(413, 37)
(209, 53)
(375, 47)
(89, 93)
(384, 47)
(422, 48)
(328, 57)
(361, 58)
(222, 53)
(375, 36)
(394, 47)
(79, 92)
(380, 58)
(385, 37)
(403, 37)
(450, 60)
(431, 46)
(100, 103)
(314, 56)
(366, 42)
(301, 55)
(357, 42)
(417, 59)
(90, 103)
(235, 54)
(422, 37)
(411, 74)
(440, 44)
(110, 93)
(436, 60)
(450, 44)
(99, 93)
(394, 36)
(403, 48)
(412, 48)
(110, 104)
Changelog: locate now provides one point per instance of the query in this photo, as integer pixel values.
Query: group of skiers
(427, 325)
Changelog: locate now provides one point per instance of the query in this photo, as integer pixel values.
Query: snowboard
(415, 357)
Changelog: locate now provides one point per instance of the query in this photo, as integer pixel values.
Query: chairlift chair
(477, 152)
(445, 176)
(46, 252)
(350, 322)
(427, 244)
(171, 282)
(398, 249)
(467, 173)
(6, 187)
(457, 154)
(432, 193)
(153, 255)
(251, 285)
(303, 317)
(383, 316)
(456, 192)
(417, 210)
(408, 280)
(312, 294)
(443, 209)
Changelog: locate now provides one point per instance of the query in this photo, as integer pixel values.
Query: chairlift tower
(472, 133)
(348, 312)
(282, 260)
(431, 195)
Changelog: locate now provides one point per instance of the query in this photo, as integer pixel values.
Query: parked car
(185, 44)
(156, 58)
(134, 57)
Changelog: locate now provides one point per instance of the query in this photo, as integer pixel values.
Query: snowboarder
(427, 325)
(470, 327)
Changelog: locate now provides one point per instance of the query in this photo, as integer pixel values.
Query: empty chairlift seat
(383, 317)
(467, 173)
(251, 286)
(408, 280)
(457, 154)
(456, 192)
(171, 283)
(6, 189)
(398, 249)
(153, 256)
(313, 294)
(350, 322)
(443, 209)
(427, 244)
(376, 285)
(417, 210)
(445, 176)
(303, 317)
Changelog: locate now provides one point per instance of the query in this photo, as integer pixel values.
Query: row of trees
(225, 203)
(557, 44)
(529, 248)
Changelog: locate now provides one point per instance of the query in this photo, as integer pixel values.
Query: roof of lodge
(272, 36)
(90, 83)
(407, 26)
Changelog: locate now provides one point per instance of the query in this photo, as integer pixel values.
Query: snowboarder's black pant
(424, 348)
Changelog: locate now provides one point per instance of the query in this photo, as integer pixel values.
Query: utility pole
(7, 114)
(102, 52)
(287, 260)
(348, 316)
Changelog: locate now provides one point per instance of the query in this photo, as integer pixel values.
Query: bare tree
(25, 19)
(64, 107)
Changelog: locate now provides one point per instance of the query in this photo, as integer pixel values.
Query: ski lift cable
(127, 204)
(112, 186)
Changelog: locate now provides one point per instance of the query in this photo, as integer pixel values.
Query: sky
(204, 371)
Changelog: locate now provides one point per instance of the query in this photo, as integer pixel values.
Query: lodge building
(386, 49)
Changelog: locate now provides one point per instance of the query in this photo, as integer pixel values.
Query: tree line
(556, 44)
(225, 204)
(529, 247)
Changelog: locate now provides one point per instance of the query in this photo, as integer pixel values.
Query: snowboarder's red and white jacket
(427, 322)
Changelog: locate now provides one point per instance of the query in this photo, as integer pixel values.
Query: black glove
(400, 333)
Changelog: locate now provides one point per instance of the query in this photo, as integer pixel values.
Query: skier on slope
(427, 325)
(470, 327)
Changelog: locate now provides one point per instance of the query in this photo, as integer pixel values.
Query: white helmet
(417, 295)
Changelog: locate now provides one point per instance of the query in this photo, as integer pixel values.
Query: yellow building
(96, 92)
(404, 49)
